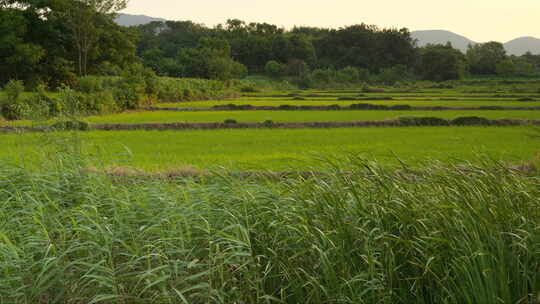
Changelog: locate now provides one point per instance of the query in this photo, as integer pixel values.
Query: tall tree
(440, 62)
(82, 17)
(484, 58)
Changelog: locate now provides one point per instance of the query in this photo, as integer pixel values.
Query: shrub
(471, 120)
(14, 89)
(71, 125)
(43, 106)
(13, 107)
(367, 106)
(526, 99)
(70, 101)
(230, 121)
(400, 107)
(249, 89)
(373, 90)
(90, 84)
(323, 76)
(391, 76)
(423, 121)
(287, 107)
(348, 74)
(223, 68)
(334, 107)
(275, 69)
(98, 103)
(268, 123)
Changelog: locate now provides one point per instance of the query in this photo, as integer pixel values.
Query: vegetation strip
(400, 122)
(360, 106)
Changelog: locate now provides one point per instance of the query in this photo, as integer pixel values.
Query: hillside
(131, 20)
(442, 37)
(523, 45)
(518, 46)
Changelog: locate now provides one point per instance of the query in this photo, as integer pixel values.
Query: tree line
(55, 41)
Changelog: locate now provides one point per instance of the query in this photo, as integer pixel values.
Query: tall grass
(364, 235)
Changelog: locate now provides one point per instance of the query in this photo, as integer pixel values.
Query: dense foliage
(276, 52)
(52, 42)
(136, 87)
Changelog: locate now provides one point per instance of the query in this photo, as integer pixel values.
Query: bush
(71, 125)
(230, 121)
(43, 106)
(349, 75)
(186, 89)
(423, 121)
(471, 121)
(13, 107)
(367, 106)
(323, 76)
(400, 107)
(275, 69)
(268, 123)
(333, 107)
(391, 76)
(14, 89)
(223, 68)
(98, 103)
(249, 89)
(372, 90)
(70, 101)
(90, 84)
(287, 107)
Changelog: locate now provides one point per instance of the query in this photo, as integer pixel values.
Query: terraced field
(297, 116)
(284, 149)
(436, 102)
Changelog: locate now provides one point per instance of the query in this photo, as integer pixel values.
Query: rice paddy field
(376, 215)
(299, 149)
(276, 101)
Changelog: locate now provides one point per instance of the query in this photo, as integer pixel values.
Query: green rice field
(276, 102)
(282, 149)
(297, 116)
(288, 149)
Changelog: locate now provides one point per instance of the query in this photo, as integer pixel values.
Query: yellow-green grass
(282, 149)
(141, 117)
(324, 102)
(296, 116)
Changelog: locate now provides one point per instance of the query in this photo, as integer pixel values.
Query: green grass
(296, 116)
(368, 236)
(286, 116)
(280, 101)
(281, 149)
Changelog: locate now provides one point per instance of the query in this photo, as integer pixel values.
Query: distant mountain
(516, 47)
(522, 45)
(131, 20)
(442, 37)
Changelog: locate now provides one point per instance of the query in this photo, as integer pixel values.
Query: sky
(478, 20)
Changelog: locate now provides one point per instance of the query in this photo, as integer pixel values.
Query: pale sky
(478, 20)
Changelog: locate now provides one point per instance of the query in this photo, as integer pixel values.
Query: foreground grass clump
(364, 235)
